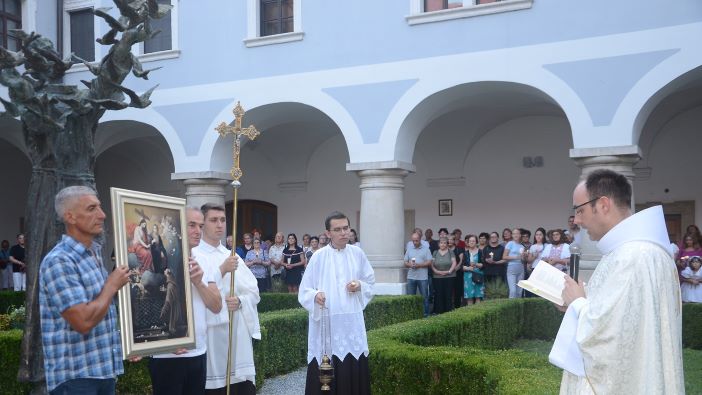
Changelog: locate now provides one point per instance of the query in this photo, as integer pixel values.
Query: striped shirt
(70, 275)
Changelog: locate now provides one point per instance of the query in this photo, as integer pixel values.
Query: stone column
(619, 159)
(204, 187)
(382, 221)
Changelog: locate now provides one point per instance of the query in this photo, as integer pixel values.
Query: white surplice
(628, 329)
(246, 324)
(328, 271)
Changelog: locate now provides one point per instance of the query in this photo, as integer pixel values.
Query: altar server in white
(626, 323)
(340, 279)
(246, 325)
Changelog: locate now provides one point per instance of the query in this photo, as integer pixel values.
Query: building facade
(384, 109)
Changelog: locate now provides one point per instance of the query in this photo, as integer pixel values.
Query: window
(79, 29)
(83, 34)
(276, 17)
(10, 18)
(429, 11)
(273, 22)
(164, 40)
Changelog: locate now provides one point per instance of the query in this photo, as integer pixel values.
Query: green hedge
(283, 345)
(271, 301)
(10, 298)
(692, 325)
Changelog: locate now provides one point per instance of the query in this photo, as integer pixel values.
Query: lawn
(692, 362)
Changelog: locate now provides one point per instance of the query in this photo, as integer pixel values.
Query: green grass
(692, 362)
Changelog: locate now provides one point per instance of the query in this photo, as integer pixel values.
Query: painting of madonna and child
(155, 312)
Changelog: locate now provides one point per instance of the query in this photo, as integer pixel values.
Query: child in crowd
(691, 278)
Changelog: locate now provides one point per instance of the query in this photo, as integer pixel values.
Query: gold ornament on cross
(237, 131)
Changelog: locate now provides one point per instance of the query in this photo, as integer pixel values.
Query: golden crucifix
(237, 131)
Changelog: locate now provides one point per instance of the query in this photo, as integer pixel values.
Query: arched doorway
(254, 214)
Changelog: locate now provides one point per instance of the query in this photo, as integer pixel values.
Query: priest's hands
(320, 299)
(572, 290)
(353, 286)
(233, 303)
(229, 265)
(196, 272)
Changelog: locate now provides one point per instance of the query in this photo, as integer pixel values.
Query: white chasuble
(246, 324)
(628, 328)
(328, 271)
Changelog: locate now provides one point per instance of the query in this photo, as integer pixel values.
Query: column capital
(202, 175)
(385, 165)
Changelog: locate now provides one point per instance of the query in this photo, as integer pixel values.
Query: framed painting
(155, 307)
(445, 207)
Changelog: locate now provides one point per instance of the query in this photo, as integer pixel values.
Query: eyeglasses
(576, 208)
(341, 230)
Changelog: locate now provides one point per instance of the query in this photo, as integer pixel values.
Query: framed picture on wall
(155, 307)
(445, 207)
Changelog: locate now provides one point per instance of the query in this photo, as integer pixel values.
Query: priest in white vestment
(340, 279)
(621, 333)
(246, 325)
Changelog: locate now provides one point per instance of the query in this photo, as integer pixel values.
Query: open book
(545, 281)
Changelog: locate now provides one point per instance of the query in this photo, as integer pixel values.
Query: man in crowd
(626, 325)
(5, 267)
(184, 372)
(416, 231)
(573, 231)
(210, 252)
(323, 240)
(433, 244)
(81, 342)
(336, 288)
(417, 261)
(19, 268)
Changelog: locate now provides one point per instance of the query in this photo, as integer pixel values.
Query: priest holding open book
(621, 334)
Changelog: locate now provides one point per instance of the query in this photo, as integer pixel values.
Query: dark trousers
(443, 297)
(351, 377)
(264, 284)
(240, 388)
(178, 376)
(86, 386)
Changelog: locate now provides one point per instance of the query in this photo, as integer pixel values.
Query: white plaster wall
(14, 184)
(675, 159)
(499, 192)
(329, 187)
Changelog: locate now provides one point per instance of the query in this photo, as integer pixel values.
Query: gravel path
(292, 383)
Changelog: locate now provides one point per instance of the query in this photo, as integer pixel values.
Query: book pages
(545, 281)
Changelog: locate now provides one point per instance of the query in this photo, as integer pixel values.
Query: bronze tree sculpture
(58, 124)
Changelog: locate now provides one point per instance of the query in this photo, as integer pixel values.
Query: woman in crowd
(695, 232)
(492, 257)
(515, 269)
(294, 260)
(353, 238)
(506, 236)
(257, 260)
(557, 253)
(460, 255)
(536, 249)
(444, 268)
(314, 246)
(473, 279)
(483, 240)
(275, 255)
(689, 249)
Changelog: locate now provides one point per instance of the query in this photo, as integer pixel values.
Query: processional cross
(237, 131)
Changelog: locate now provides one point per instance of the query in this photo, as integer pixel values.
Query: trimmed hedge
(271, 301)
(283, 345)
(10, 298)
(692, 325)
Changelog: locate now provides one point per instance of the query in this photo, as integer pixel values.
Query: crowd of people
(12, 265)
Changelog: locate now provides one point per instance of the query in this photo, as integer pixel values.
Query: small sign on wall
(445, 207)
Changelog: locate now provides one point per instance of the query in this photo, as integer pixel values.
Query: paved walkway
(292, 383)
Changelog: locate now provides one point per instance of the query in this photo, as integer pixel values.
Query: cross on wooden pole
(237, 131)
